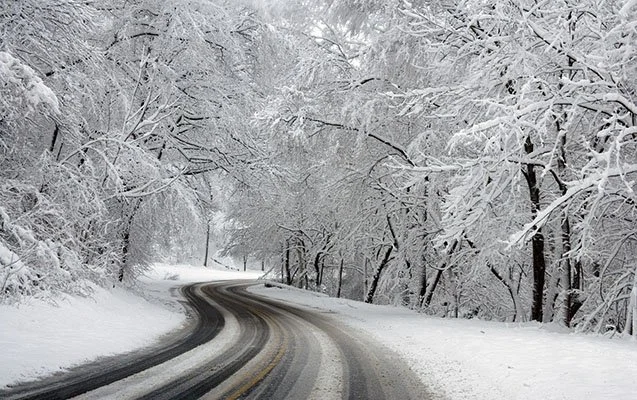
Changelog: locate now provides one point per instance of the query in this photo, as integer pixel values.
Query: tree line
(465, 158)
(113, 118)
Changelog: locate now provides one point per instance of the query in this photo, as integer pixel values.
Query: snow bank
(38, 338)
(471, 359)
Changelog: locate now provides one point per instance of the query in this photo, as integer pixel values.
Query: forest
(465, 158)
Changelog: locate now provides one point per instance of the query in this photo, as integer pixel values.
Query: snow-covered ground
(471, 359)
(462, 359)
(40, 338)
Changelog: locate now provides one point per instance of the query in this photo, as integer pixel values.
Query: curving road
(243, 346)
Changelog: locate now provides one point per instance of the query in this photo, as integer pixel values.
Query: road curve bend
(244, 346)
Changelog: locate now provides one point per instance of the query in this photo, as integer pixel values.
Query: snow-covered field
(38, 338)
(462, 359)
(471, 359)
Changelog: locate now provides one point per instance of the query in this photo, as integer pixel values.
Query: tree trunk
(537, 241)
(54, 138)
(340, 279)
(317, 270)
(407, 293)
(569, 303)
(322, 269)
(205, 260)
(572, 273)
(125, 248)
(126, 234)
(302, 263)
(245, 263)
(425, 300)
(456, 292)
(365, 274)
(282, 263)
(288, 277)
(539, 274)
(423, 285)
(630, 326)
(515, 298)
(369, 298)
(431, 289)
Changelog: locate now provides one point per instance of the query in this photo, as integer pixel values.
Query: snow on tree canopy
(26, 83)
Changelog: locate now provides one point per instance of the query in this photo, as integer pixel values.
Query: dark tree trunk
(322, 269)
(407, 293)
(205, 259)
(572, 274)
(54, 139)
(126, 234)
(369, 298)
(59, 154)
(423, 284)
(301, 266)
(519, 312)
(317, 270)
(365, 274)
(431, 289)
(427, 292)
(125, 250)
(537, 241)
(288, 277)
(539, 275)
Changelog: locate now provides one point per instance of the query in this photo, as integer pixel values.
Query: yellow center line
(265, 371)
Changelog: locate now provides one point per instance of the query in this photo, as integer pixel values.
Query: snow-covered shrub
(55, 232)
(79, 195)
(40, 254)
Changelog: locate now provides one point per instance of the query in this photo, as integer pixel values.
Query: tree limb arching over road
(243, 346)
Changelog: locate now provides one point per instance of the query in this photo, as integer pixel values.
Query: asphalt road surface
(242, 346)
